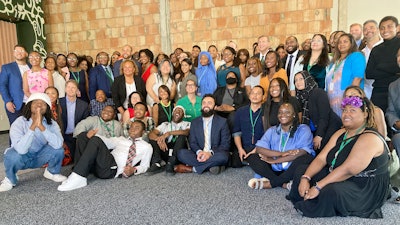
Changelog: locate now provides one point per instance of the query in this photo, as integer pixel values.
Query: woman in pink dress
(37, 79)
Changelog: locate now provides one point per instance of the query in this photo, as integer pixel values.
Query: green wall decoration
(28, 16)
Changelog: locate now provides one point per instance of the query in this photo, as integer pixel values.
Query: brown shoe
(181, 168)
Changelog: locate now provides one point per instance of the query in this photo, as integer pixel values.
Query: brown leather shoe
(181, 168)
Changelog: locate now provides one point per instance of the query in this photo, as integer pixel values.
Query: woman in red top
(146, 59)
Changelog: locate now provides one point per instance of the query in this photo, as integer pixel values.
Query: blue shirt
(243, 126)
(71, 106)
(96, 107)
(23, 139)
(274, 139)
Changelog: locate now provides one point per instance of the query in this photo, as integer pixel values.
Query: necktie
(289, 66)
(207, 146)
(109, 74)
(131, 155)
(262, 60)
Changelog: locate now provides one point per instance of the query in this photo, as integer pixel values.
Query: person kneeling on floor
(36, 139)
(120, 162)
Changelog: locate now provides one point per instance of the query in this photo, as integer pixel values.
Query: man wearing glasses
(11, 83)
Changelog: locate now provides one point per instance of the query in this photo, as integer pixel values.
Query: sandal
(255, 183)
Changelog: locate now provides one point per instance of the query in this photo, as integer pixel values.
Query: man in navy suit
(101, 77)
(209, 140)
(11, 83)
(73, 111)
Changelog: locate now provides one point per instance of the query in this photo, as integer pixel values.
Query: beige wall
(346, 12)
(91, 26)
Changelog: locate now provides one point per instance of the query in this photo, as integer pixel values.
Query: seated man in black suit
(73, 111)
(209, 140)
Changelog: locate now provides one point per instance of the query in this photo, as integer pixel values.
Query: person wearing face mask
(209, 140)
(230, 97)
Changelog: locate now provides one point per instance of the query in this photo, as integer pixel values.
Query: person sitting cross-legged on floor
(209, 140)
(281, 150)
(106, 164)
(36, 139)
(166, 140)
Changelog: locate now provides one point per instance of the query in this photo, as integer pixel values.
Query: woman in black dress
(350, 176)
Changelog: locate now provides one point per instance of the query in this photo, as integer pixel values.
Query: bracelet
(306, 177)
(317, 187)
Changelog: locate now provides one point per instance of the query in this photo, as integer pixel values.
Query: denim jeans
(13, 161)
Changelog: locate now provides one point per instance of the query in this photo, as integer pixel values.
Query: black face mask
(231, 80)
(207, 114)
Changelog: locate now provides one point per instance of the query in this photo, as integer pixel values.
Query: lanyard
(110, 131)
(283, 141)
(345, 141)
(169, 115)
(77, 78)
(253, 124)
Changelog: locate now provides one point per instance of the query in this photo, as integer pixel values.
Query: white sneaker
(6, 185)
(54, 177)
(73, 182)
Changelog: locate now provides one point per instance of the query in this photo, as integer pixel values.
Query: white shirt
(252, 81)
(167, 126)
(129, 89)
(120, 146)
(59, 83)
(368, 82)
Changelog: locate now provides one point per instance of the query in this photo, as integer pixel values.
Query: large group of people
(298, 116)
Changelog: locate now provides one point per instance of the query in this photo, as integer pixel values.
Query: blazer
(240, 98)
(300, 53)
(99, 80)
(220, 134)
(118, 89)
(11, 84)
(324, 119)
(393, 110)
(81, 111)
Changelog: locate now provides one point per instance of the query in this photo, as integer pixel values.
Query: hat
(41, 96)
(179, 107)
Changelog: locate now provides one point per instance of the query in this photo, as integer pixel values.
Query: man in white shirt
(167, 139)
(121, 161)
(372, 38)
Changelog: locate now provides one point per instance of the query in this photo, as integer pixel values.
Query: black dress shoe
(169, 169)
(154, 169)
(217, 169)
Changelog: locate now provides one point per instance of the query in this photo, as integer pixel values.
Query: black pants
(277, 178)
(158, 154)
(70, 142)
(96, 158)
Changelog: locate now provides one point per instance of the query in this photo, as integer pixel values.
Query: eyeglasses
(72, 59)
(19, 51)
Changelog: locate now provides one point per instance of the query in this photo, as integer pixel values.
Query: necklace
(76, 77)
(345, 141)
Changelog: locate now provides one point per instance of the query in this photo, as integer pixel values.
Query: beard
(207, 112)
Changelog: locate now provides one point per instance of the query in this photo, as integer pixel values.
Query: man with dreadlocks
(35, 140)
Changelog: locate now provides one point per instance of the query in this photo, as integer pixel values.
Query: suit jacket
(99, 80)
(220, 134)
(324, 119)
(300, 53)
(81, 111)
(11, 84)
(393, 110)
(240, 97)
(118, 89)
